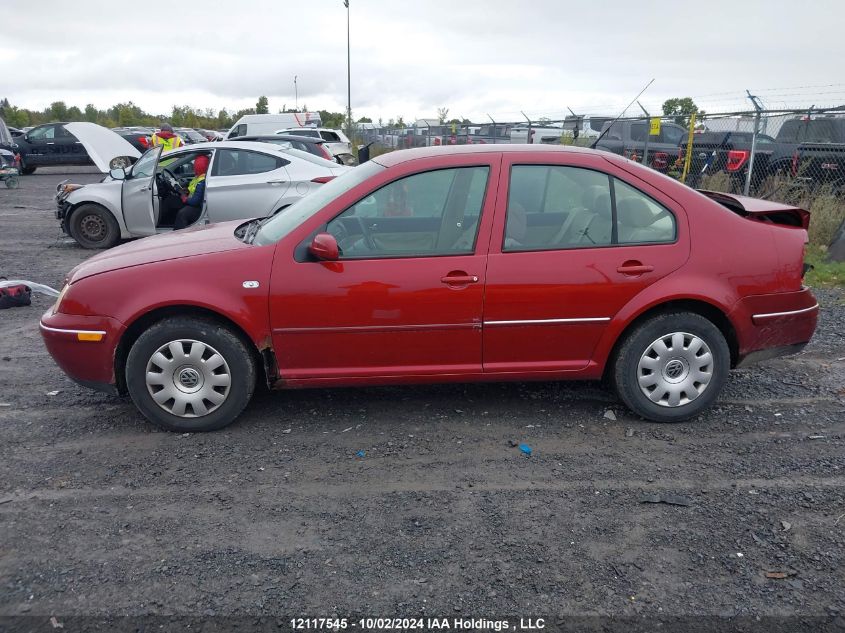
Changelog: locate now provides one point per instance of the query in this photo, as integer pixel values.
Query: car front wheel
(190, 374)
(92, 226)
(671, 367)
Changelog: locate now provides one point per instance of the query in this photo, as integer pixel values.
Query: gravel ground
(101, 514)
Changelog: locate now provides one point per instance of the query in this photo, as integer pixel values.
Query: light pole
(296, 94)
(348, 74)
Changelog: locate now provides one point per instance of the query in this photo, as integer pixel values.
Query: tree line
(129, 114)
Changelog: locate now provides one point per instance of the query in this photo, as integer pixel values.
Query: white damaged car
(244, 180)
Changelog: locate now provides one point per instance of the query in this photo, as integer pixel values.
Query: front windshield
(283, 223)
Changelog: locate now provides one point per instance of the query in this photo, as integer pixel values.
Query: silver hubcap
(188, 378)
(675, 369)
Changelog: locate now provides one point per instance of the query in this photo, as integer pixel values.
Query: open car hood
(102, 144)
(763, 210)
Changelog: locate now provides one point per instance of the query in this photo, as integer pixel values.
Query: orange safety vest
(167, 143)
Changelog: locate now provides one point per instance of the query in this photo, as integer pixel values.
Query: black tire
(12, 182)
(239, 366)
(673, 369)
(93, 227)
(27, 171)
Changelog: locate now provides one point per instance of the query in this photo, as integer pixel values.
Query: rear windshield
(813, 131)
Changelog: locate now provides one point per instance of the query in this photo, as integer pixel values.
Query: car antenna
(621, 114)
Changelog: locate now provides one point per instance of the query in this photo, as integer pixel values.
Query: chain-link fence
(794, 156)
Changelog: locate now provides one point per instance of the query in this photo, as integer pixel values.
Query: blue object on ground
(525, 449)
(360, 453)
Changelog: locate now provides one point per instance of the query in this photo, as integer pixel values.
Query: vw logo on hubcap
(674, 369)
(189, 377)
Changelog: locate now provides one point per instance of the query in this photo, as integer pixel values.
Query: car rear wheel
(26, 170)
(94, 227)
(190, 374)
(671, 367)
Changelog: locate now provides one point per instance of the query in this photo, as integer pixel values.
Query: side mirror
(324, 247)
(117, 174)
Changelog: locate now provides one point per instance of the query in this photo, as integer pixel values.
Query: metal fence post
(428, 134)
(688, 155)
(494, 129)
(528, 138)
(747, 188)
(647, 133)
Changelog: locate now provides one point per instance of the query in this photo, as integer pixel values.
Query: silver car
(244, 180)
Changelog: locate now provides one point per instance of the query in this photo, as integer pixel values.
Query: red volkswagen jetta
(447, 264)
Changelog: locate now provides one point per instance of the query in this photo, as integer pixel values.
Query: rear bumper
(774, 324)
(88, 362)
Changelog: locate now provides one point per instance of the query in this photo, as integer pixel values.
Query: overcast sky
(411, 57)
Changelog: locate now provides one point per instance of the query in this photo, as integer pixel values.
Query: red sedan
(473, 263)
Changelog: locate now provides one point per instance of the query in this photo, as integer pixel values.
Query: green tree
(680, 108)
(57, 111)
(91, 113)
(365, 119)
(443, 114)
(262, 107)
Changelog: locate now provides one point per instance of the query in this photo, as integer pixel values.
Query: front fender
(104, 194)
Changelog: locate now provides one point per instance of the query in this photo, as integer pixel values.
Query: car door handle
(277, 182)
(634, 268)
(459, 279)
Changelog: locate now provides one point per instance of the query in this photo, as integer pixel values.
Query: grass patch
(825, 272)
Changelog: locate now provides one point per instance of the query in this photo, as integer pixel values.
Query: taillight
(437, 140)
(736, 159)
(322, 180)
(326, 153)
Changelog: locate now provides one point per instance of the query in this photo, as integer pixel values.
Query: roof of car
(207, 147)
(404, 155)
(283, 137)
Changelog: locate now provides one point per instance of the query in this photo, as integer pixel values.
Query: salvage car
(244, 180)
(471, 263)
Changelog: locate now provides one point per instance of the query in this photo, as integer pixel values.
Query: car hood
(199, 240)
(102, 144)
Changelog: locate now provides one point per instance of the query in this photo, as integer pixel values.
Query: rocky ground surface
(102, 514)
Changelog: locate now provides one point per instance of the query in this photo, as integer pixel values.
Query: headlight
(66, 189)
(58, 304)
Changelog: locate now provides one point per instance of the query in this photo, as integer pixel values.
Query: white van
(267, 124)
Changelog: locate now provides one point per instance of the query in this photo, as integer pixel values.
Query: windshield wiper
(252, 231)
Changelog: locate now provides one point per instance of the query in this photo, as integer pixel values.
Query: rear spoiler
(761, 210)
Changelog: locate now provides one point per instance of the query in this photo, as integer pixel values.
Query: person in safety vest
(166, 138)
(190, 213)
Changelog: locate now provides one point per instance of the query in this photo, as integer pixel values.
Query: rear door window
(331, 137)
(241, 162)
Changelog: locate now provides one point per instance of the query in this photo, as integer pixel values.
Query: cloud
(475, 57)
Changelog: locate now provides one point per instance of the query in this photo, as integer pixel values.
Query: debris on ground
(513, 443)
(525, 449)
(629, 433)
(786, 525)
(361, 454)
(667, 498)
(609, 414)
(286, 431)
(815, 437)
(55, 392)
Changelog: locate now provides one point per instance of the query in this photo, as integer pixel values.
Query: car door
(405, 297)
(563, 261)
(244, 183)
(41, 140)
(137, 193)
(67, 148)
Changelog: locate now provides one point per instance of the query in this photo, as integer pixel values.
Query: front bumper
(89, 362)
(774, 324)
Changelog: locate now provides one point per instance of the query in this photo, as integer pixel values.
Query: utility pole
(296, 94)
(647, 133)
(348, 74)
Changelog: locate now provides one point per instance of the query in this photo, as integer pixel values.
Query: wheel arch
(709, 311)
(265, 360)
